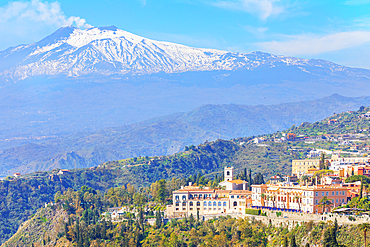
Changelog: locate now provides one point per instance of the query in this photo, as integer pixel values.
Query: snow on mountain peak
(108, 50)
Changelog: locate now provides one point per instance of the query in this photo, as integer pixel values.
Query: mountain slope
(108, 50)
(169, 134)
(86, 80)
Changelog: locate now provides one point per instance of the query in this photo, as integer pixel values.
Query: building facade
(300, 167)
(193, 200)
(298, 198)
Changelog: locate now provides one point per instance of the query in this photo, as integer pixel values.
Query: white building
(230, 184)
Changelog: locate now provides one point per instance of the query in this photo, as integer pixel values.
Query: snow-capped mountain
(108, 51)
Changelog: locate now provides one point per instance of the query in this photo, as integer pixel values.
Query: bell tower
(229, 173)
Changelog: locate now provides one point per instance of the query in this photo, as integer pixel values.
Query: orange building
(291, 136)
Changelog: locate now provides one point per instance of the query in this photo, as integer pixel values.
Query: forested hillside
(76, 219)
(21, 197)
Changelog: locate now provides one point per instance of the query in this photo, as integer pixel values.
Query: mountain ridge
(73, 52)
(168, 134)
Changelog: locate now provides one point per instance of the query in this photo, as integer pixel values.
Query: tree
(322, 161)
(292, 241)
(361, 189)
(364, 227)
(324, 202)
(330, 237)
(285, 242)
(298, 200)
(158, 219)
(307, 245)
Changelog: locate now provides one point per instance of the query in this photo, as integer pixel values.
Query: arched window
(184, 197)
(184, 203)
(177, 204)
(177, 198)
(209, 203)
(235, 204)
(219, 204)
(224, 204)
(191, 203)
(228, 173)
(198, 204)
(205, 203)
(214, 203)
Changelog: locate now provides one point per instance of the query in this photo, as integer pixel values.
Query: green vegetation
(77, 219)
(342, 123)
(201, 165)
(253, 211)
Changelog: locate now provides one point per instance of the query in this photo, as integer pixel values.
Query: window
(219, 204)
(184, 203)
(332, 193)
(235, 204)
(224, 204)
(316, 202)
(332, 200)
(214, 204)
(323, 193)
(209, 203)
(337, 192)
(237, 196)
(228, 173)
(317, 193)
(198, 204)
(205, 203)
(232, 196)
(177, 198)
(327, 193)
(336, 200)
(191, 203)
(183, 197)
(177, 204)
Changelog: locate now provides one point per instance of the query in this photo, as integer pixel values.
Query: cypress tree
(141, 219)
(361, 189)
(158, 219)
(104, 231)
(285, 243)
(66, 230)
(292, 242)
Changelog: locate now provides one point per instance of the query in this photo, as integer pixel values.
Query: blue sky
(338, 31)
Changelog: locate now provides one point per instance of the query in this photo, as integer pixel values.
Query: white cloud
(313, 44)
(262, 8)
(29, 21)
(39, 11)
(257, 31)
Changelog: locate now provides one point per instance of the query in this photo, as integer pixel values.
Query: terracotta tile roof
(237, 181)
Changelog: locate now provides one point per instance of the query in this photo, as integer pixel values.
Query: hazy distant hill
(86, 80)
(169, 134)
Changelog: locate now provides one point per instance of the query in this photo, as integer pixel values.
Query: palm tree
(263, 199)
(297, 198)
(324, 202)
(364, 227)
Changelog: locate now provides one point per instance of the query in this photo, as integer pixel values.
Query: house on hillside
(63, 171)
(17, 174)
